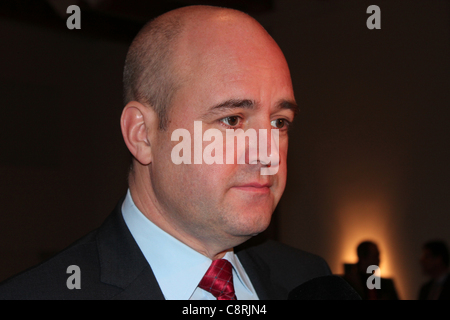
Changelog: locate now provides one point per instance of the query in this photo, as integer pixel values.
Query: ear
(138, 123)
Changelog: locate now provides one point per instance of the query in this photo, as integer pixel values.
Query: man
(179, 221)
(434, 262)
(357, 276)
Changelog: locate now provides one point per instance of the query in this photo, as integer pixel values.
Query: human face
(224, 204)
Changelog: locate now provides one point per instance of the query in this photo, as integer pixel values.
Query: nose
(268, 150)
(256, 145)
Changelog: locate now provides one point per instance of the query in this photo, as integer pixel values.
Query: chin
(252, 225)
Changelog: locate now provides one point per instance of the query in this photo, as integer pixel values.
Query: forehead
(231, 50)
(217, 66)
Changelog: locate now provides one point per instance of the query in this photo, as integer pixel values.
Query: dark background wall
(368, 156)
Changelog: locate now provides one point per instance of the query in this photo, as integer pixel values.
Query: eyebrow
(251, 104)
(233, 104)
(288, 104)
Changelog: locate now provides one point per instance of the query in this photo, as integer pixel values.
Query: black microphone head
(324, 288)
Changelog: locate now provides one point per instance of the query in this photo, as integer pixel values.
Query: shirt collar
(177, 267)
(239, 270)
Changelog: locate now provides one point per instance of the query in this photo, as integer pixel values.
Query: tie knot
(218, 280)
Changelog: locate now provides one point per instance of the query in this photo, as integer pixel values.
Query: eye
(231, 121)
(279, 123)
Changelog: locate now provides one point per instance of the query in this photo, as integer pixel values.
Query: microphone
(324, 288)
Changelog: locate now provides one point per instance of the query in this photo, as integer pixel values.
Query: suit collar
(260, 276)
(121, 261)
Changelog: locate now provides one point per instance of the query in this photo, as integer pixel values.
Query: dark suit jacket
(444, 295)
(113, 267)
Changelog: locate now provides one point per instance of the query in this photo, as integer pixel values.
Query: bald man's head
(221, 68)
(154, 63)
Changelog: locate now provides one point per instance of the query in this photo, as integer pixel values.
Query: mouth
(255, 187)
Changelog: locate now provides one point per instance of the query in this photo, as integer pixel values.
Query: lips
(254, 187)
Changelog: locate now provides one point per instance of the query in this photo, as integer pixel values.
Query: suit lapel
(259, 274)
(122, 263)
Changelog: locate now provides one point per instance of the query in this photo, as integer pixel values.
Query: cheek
(281, 182)
(283, 150)
(212, 178)
(193, 176)
(201, 181)
(282, 171)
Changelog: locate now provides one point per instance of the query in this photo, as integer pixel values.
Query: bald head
(167, 51)
(213, 66)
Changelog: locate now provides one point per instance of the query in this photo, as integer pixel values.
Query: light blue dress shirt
(177, 267)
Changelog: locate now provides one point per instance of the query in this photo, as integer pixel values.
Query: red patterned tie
(219, 280)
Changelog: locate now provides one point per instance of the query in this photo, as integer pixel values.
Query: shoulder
(48, 280)
(279, 255)
(273, 249)
(288, 266)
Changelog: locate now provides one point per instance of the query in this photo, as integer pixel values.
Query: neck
(146, 201)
